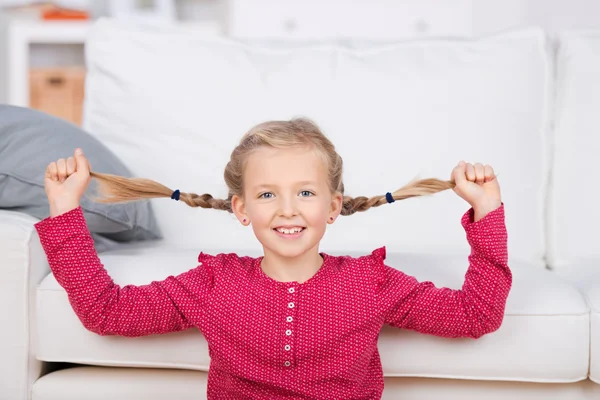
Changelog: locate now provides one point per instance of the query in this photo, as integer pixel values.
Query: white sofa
(172, 105)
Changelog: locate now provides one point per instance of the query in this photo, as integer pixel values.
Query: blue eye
(307, 191)
(264, 195)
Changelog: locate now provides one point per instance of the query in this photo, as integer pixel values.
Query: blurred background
(42, 43)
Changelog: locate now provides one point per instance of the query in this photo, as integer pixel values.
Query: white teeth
(289, 231)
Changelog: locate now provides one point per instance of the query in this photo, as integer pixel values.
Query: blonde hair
(277, 134)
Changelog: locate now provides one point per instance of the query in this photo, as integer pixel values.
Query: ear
(335, 207)
(239, 209)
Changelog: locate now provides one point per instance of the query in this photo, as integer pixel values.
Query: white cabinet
(18, 39)
(26, 45)
(365, 19)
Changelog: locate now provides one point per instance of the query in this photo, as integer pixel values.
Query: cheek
(259, 215)
(318, 213)
(261, 221)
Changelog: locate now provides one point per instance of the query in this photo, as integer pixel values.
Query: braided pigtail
(421, 187)
(116, 189)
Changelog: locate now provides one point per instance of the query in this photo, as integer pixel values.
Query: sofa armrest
(23, 265)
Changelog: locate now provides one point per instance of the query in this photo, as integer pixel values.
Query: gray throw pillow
(29, 141)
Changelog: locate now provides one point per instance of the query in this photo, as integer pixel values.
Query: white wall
(496, 15)
(552, 15)
(487, 15)
(555, 15)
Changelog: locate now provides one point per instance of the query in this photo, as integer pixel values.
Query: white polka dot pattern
(270, 339)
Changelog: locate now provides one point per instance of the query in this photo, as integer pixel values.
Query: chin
(288, 252)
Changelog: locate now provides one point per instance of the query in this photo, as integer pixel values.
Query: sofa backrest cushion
(173, 104)
(573, 214)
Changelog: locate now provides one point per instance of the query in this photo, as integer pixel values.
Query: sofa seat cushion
(100, 383)
(544, 336)
(585, 274)
(89, 383)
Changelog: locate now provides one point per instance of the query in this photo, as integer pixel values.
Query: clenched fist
(477, 185)
(65, 182)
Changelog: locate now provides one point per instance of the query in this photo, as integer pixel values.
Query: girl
(294, 323)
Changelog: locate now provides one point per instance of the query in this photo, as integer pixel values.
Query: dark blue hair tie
(175, 195)
(389, 198)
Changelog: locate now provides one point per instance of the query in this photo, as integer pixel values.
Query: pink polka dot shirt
(270, 339)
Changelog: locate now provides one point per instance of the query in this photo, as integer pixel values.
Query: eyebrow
(268, 186)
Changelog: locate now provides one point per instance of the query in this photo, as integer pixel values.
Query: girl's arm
(105, 308)
(473, 311)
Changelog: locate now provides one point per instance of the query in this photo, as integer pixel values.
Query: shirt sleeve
(474, 310)
(104, 307)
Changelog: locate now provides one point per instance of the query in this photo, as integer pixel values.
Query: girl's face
(287, 199)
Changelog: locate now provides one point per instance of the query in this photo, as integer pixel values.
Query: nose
(287, 206)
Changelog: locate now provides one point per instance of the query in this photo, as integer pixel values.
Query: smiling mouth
(290, 231)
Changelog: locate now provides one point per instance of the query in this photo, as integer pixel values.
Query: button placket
(288, 333)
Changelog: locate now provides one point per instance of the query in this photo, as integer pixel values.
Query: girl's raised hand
(65, 182)
(477, 185)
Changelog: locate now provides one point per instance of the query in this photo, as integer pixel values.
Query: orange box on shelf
(62, 14)
(58, 91)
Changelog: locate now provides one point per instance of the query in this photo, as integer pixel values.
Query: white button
(289, 319)
(287, 363)
(287, 346)
(291, 305)
(288, 332)
(291, 290)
